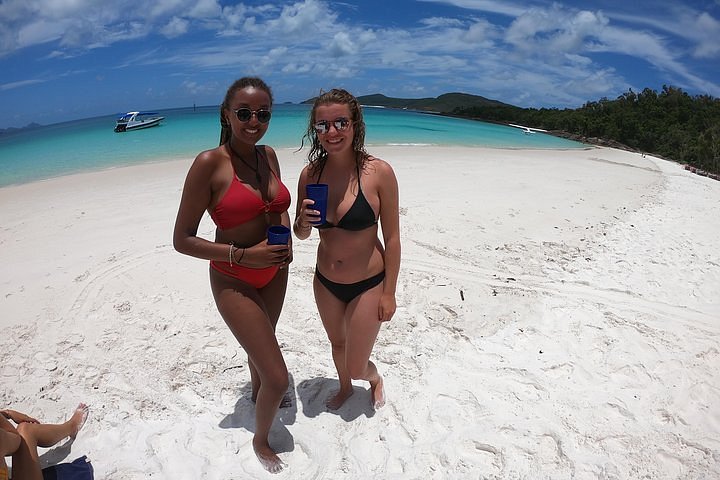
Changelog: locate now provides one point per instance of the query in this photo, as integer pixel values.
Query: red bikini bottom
(255, 277)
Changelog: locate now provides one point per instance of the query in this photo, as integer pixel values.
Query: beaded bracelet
(231, 254)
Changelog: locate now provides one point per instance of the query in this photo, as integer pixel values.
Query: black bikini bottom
(346, 292)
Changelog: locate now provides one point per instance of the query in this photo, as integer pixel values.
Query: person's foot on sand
(377, 392)
(267, 457)
(338, 399)
(78, 418)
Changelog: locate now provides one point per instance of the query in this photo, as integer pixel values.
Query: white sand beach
(558, 318)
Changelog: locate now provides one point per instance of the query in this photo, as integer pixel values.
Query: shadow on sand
(56, 454)
(244, 417)
(314, 392)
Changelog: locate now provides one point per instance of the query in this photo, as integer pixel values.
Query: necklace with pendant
(255, 169)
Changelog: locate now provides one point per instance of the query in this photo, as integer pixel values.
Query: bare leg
(244, 312)
(362, 330)
(274, 297)
(25, 461)
(332, 313)
(377, 389)
(255, 382)
(10, 441)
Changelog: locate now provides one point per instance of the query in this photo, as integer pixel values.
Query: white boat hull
(139, 125)
(135, 121)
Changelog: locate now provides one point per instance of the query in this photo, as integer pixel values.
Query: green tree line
(670, 124)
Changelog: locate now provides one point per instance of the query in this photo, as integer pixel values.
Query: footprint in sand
(484, 458)
(315, 459)
(561, 370)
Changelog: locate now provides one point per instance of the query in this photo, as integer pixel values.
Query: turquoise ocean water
(91, 144)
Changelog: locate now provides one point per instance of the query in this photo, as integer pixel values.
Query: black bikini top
(358, 217)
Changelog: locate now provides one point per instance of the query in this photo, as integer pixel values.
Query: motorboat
(137, 120)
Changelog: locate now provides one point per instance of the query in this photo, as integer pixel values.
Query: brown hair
(317, 155)
(244, 82)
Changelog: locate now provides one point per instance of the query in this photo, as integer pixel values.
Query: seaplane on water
(527, 130)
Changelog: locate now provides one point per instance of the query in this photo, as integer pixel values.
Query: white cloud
(205, 9)
(175, 27)
(548, 54)
(342, 44)
(60, 9)
(161, 8)
(55, 54)
(194, 88)
(441, 22)
(479, 32)
(233, 15)
(700, 29)
(552, 32)
(13, 10)
(500, 7)
(301, 18)
(37, 32)
(22, 83)
(708, 36)
(88, 23)
(297, 68)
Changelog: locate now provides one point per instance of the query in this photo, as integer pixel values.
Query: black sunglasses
(323, 126)
(245, 114)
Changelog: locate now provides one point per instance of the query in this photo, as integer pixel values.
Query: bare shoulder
(210, 157)
(378, 165)
(305, 172)
(270, 152)
(271, 158)
(207, 163)
(380, 170)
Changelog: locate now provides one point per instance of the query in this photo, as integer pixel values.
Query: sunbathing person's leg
(26, 464)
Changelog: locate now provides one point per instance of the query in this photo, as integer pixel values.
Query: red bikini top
(240, 204)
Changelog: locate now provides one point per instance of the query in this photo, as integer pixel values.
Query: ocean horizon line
(92, 144)
(34, 124)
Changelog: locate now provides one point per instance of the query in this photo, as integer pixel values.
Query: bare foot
(78, 418)
(267, 457)
(378, 394)
(336, 401)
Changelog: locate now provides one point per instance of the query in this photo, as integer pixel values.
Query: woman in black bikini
(356, 274)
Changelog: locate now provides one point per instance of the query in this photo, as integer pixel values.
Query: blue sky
(69, 59)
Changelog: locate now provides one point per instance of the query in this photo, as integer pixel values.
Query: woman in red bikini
(239, 184)
(356, 274)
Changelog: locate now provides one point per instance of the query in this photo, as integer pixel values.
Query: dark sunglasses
(245, 114)
(323, 126)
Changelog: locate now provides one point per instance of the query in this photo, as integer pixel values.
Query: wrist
(235, 258)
